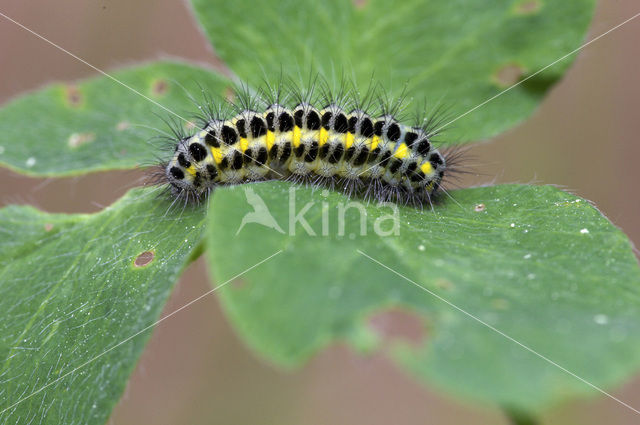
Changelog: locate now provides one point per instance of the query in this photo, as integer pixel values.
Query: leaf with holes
(99, 124)
(542, 266)
(72, 288)
(457, 53)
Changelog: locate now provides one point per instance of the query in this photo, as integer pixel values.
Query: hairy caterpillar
(280, 134)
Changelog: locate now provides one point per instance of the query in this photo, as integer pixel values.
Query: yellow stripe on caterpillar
(323, 137)
(426, 168)
(244, 144)
(217, 155)
(402, 151)
(375, 141)
(348, 140)
(271, 139)
(297, 135)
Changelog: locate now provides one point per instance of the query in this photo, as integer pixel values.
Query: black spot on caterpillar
(354, 144)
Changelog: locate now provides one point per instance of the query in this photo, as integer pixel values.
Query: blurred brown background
(195, 370)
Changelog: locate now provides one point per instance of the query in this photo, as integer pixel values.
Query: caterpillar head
(185, 171)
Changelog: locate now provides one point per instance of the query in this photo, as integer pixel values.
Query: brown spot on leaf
(479, 208)
(508, 75)
(396, 324)
(77, 139)
(159, 87)
(229, 94)
(444, 284)
(500, 304)
(144, 259)
(73, 96)
(48, 227)
(122, 125)
(527, 7)
(360, 4)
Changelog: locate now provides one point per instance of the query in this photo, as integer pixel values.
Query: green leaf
(459, 53)
(541, 265)
(99, 124)
(72, 288)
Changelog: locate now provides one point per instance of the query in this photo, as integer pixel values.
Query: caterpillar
(279, 134)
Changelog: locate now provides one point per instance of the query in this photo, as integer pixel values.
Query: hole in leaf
(508, 74)
(144, 259)
(159, 87)
(479, 208)
(77, 139)
(73, 96)
(397, 324)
